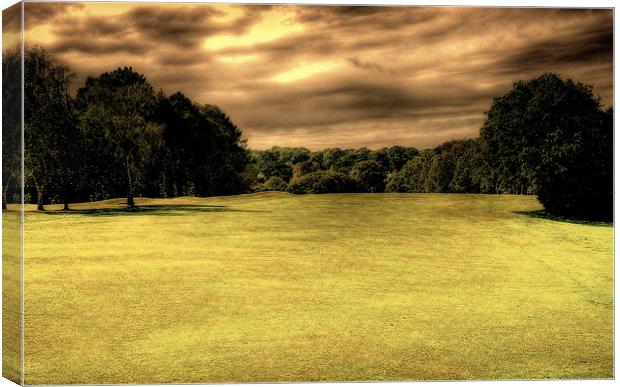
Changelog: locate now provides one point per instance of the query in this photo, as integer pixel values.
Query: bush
(323, 182)
(275, 183)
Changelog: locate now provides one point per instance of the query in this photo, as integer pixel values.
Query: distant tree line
(118, 137)
(548, 136)
(456, 166)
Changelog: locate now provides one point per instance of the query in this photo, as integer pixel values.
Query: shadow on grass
(166, 210)
(543, 215)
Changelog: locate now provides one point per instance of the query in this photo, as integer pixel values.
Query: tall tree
(11, 122)
(49, 124)
(203, 153)
(121, 104)
(231, 156)
(552, 135)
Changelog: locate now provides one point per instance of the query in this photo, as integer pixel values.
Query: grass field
(276, 287)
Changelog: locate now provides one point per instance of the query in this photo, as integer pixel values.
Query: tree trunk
(65, 197)
(180, 190)
(5, 192)
(40, 196)
(130, 201)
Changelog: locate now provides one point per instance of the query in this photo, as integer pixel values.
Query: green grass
(276, 287)
(11, 296)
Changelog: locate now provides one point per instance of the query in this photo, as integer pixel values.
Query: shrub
(275, 183)
(323, 182)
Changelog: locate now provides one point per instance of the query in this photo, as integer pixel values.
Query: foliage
(117, 138)
(324, 182)
(547, 136)
(11, 124)
(370, 174)
(50, 133)
(121, 104)
(551, 136)
(202, 151)
(275, 183)
(393, 158)
(369, 167)
(270, 163)
(455, 166)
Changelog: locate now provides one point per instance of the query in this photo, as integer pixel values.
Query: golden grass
(11, 295)
(277, 287)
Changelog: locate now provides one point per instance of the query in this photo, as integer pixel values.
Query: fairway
(279, 287)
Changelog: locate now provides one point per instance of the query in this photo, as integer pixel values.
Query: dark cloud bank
(321, 76)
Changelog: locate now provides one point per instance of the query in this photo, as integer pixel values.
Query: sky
(329, 76)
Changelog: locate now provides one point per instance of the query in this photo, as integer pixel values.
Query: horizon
(312, 76)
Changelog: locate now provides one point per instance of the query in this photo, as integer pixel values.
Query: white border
(480, 3)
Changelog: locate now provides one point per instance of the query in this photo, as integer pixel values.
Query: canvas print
(216, 193)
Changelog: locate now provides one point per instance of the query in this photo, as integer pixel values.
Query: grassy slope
(275, 287)
(11, 296)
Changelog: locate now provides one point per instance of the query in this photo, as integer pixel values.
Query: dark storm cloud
(34, 14)
(12, 19)
(372, 18)
(92, 27)
(144, 28)
(321, 76)
(181, 26)
(291, 106)
(187, 26)
(39, 13)
(99, 47)
(592, 44)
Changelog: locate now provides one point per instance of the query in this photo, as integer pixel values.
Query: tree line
(548, 137)
(119, 137)
(456, 166)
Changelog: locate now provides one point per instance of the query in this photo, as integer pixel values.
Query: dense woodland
(119, 137)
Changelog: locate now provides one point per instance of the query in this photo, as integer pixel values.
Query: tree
(371, 176)
(470, 170)
(50, 132)
(393, 158)
(231, 156)
(331, 157)
(414, 175)
(189, 141)
(304, 168)
(439, 173)
(349, 157)
(551, 136)
(121, 103)
(293, 156)
(270, 163)
(11, 122)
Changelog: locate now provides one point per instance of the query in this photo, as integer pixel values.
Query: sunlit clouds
(275, 24)
(320, 76)
(303, 70)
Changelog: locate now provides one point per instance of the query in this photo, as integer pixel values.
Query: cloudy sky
(321, 76)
